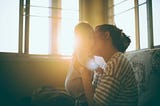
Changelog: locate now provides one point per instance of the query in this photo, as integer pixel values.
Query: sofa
(146, 64)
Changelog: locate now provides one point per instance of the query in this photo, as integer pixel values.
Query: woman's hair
(120, 40)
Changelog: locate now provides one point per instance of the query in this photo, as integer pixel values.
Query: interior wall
(18, 79)
(93, 11)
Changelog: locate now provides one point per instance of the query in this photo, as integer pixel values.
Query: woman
(117, 84)
(82, 55)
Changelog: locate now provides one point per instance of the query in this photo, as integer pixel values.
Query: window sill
(13, 57)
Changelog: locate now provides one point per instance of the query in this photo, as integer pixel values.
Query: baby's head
(84, 36)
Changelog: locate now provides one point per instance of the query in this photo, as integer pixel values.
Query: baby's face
(85, 40)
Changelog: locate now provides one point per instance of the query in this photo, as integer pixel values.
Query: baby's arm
(73, 82)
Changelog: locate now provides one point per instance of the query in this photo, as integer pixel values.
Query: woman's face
(99, 43)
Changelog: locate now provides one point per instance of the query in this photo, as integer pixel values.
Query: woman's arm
(99, 97)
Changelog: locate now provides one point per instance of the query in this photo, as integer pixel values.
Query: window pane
(9, 21)
(39, 11)
(156, 22)
(40, 27)
(118, 1)
(124, 6)
(72, 5)
(141, 1)
(39, 35)
(143, 27)
(42, 3)
(70, 17)
(126, 21)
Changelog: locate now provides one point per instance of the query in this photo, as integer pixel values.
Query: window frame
(137, 24)
(23, 45)
(56, 23)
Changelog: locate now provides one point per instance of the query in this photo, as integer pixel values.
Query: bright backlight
(70, 17)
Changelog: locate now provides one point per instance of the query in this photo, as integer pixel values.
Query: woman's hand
(99, 70)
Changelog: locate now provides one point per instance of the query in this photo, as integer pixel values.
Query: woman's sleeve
(109, 85)
(106, 91)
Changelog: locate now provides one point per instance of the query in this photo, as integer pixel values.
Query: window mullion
(137, 24)
(56, 14)
(21, 8)
(27, 19)
(150, 24)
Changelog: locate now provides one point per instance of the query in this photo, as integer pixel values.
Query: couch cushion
(146, 64)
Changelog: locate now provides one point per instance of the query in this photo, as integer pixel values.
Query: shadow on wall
(18, 79)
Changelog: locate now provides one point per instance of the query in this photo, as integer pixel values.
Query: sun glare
(70, 18)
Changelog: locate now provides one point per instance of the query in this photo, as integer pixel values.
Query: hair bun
(125, 40)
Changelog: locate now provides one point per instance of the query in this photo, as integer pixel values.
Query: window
(143, 24)
(156, 22)
(9, 24)
(54, 15)
(70, 17)
(135, 18)
(41, 27)
(125, 19)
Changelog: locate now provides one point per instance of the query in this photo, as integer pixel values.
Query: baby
(82, 53)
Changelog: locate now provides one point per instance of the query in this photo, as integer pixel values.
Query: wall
(18, 78)
(93, 11)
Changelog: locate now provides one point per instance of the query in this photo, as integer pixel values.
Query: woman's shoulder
(117, 58)
(117, 64)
